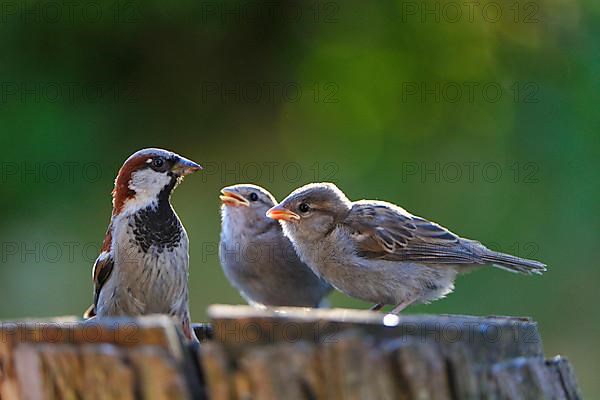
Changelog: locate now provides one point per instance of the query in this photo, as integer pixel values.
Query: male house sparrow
(143, 264)
(257, 259)
(379, 252)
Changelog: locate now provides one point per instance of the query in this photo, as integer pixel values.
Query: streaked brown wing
(383, 230)
(100, 273)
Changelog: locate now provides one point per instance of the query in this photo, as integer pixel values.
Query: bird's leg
(401, 306)
(377, 307)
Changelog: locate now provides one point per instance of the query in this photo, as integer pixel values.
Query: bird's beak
(184, 167)
(282, 214)
(230, 198)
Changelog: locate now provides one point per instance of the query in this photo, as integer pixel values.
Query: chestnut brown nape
(121, 192)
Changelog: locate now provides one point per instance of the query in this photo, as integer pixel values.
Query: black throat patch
(158, 226)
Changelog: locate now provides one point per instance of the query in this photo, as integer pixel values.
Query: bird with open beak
(143, 265)
(379, 252)
(257, 259)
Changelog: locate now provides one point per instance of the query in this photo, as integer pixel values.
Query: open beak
(184, 167)
(230, 198)
(282, 214)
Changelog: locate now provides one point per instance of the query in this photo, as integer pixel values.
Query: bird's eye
(158, 163)
(304, 208)
(253, 196)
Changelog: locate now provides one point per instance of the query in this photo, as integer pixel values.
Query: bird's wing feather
(100, 273)
(385, 231)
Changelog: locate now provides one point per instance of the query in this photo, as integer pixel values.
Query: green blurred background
(480, 116)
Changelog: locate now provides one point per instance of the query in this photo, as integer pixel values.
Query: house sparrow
(257, 259)
(379, 252)
(143, 265)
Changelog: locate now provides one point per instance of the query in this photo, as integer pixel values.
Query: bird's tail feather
(514, 264)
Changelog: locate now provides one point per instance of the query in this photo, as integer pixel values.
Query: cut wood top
(490, 339)
(291, 353)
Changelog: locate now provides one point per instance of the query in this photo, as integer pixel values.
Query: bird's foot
(401, 306)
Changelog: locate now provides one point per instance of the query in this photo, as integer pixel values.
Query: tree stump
(117, 358)
(284, 353)
(349, 354)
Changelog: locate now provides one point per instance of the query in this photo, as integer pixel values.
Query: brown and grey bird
(143, 265)
(257, 259)
(379, 252)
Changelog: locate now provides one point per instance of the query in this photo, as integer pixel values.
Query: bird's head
(148, 176)
(247, 203)
(312, 210)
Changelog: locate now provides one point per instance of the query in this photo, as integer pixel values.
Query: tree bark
(350, 354)
(287, 353)
(118, 358)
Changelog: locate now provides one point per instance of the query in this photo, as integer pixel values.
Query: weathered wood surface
(120, 358)
(349, 354)
(287, 353)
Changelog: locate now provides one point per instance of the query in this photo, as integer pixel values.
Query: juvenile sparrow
(379, 252)
(143, 264)
(257, 259)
